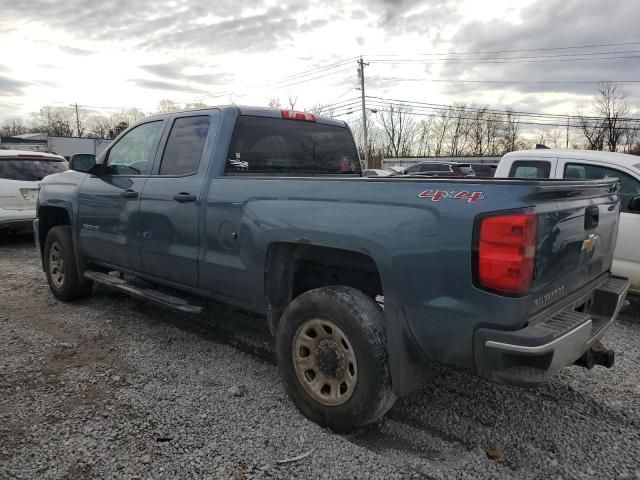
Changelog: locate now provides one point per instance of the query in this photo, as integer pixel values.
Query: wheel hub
(329, 358)
(56, 265)
(325, 362)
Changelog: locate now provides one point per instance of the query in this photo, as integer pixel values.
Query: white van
(589, 164)
(20, 175)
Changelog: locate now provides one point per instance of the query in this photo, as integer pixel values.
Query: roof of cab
(254, 111)
(28, 154)
(613, 157)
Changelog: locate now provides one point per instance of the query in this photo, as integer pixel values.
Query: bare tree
(609, 129)
(13, 126)
(458, 129)
(292, 101)
(440, 130)
(398, 127)
(424, 137)
(510, 136)
(274, 103)
(477, 130)
(55, 121)
(167, 106)
(98, 126)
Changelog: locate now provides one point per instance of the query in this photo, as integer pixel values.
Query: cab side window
(530, 169)
(629, 186)
(132, 153)
(185, 144)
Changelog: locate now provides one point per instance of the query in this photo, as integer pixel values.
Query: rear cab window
(267, 145)
(30, 169)
(530, 169)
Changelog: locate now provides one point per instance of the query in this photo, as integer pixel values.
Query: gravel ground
(113, 388)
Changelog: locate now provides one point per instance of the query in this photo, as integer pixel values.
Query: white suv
(20, 175)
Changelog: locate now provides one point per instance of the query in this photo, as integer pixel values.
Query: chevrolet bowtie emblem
(589, 243)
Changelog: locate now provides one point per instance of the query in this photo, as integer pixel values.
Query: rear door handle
(129, 194)
(183, 197)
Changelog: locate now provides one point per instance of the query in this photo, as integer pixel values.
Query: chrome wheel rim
(56, 265)
(325, 362)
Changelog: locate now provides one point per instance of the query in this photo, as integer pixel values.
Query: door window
(185, 144)
(530, 169)
(131, 155)
(629, 186)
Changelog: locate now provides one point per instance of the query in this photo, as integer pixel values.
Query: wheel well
(49, 217)
(292, 269)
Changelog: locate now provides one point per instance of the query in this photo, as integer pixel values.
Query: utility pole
(567, 132)
(365, 136)
(77, 117)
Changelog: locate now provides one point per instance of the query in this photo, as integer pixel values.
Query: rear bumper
(530, 355)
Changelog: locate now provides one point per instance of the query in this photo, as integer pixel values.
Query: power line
(599, 45)
(619, 52)
(498, 61)
(525, 82)
(417, 104)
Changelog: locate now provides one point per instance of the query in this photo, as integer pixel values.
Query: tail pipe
(598, 354)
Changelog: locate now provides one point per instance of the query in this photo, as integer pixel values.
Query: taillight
(507, 252)
(303, 116)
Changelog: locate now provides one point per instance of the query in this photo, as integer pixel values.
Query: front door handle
(183, 197)
(129, 194)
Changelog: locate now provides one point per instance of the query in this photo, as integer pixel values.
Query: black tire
(65, 283)
(360, 319)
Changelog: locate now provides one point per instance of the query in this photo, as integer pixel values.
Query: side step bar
(149, 294)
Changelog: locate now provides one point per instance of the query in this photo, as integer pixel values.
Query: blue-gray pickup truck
(362, 280)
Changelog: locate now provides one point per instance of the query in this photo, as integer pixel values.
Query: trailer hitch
(598, 354)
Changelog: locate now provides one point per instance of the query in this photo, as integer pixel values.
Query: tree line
(397, 130)
(63, 121)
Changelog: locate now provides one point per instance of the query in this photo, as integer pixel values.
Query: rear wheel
(332, 357)
(61, 267)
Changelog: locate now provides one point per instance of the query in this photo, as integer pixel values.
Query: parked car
(375, 172)
(441, 169)
(20, 175)
(484, 169)
(583, 165)
(267, 210)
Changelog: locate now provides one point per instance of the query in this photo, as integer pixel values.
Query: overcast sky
(108, 54)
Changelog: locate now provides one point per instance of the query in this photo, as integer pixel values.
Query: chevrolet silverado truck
(362, 281)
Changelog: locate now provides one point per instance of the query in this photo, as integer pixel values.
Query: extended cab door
(171, 200)
(626, 256)
(109, 200)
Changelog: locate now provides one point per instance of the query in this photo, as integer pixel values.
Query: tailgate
(577, 232)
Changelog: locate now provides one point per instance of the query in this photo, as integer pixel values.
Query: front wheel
(332, 356)
(60, 266)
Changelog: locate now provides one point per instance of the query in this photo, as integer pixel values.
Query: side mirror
(634, 204)
(82, 162)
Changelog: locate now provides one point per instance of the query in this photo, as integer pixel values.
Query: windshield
(274, 145)
(30, 170)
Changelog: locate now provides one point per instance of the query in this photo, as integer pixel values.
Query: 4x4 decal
(437, 195)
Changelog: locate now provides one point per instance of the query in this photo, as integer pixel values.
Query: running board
(149, 294)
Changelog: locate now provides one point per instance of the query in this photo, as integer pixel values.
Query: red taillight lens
(303, 116)
(507, 252)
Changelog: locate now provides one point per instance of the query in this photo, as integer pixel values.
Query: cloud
(166, 86)
(10, 86)
(544, 25)
(411, 16)
(179, 69)
(231, 25)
